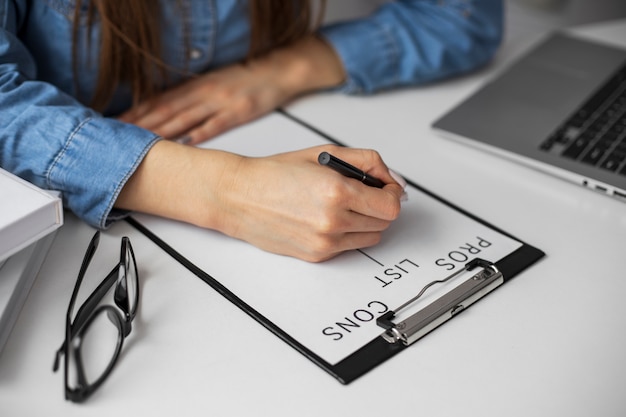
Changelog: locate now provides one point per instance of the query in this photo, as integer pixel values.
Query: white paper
(331, 307)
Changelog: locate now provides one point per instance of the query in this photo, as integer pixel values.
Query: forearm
(180, 182)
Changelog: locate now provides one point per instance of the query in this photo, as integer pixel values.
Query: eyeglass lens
(92, 352)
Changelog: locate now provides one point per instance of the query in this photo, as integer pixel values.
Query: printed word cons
(355, 320)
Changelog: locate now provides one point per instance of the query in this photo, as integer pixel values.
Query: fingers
(242, 110)
(316, 241)
(153, 113)
(369, 201)
(329, 247)
(192, 125)
(356, 215)
(194, 119)
(368, 160)
(361, 208)
(170, 118)
(328, 239)
(208, 105)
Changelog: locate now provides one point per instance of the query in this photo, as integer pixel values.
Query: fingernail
(398, 178)
(182, 139)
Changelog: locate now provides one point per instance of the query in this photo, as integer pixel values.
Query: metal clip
(444, 308)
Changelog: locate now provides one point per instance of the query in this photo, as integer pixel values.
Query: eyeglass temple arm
(92, 301)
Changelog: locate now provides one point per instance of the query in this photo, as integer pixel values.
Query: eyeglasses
(94, 338)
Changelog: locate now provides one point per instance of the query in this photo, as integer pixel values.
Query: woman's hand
(286, 203)
(212, 103)
(289, 204)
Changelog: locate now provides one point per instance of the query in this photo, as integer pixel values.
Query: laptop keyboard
(596, 133)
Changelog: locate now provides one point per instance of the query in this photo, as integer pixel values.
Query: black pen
(348, 170)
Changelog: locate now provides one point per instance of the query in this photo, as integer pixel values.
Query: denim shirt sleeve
(416, 41)
(51, 140)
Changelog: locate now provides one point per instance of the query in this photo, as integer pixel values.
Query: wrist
(181, 182)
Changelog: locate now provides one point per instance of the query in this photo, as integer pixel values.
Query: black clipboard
(395, 336)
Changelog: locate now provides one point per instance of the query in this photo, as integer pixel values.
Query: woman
(89, 90)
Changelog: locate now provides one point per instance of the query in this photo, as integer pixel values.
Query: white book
(27, 213)
(29, 217)
(17, 276)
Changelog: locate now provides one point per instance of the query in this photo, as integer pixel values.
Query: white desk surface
(550, 343)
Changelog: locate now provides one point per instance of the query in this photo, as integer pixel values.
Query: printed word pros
(463, 254)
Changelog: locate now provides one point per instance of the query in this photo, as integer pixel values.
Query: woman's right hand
(285, 203)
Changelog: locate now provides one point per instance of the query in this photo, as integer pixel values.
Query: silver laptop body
(520, 112)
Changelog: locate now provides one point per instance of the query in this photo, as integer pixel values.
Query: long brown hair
(130, 39)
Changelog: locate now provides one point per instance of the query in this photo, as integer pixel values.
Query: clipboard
(385, 329)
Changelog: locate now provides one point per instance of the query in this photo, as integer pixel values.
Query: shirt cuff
(99, 157)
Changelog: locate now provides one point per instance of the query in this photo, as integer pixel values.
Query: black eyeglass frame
(89, 311)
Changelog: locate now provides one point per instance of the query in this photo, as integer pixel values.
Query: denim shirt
(51, 138)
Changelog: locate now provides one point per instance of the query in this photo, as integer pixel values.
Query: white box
(27, 213)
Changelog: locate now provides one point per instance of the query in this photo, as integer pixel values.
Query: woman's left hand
(215, 102)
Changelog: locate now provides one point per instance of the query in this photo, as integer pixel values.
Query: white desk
(549, 343)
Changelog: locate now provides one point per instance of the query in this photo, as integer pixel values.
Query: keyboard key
(594, 155)
(613, 161)
(609, 137)
(621, 147)
(546, 145)
(576, 148)
(560, 136)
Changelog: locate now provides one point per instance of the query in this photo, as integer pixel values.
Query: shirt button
(195, 53)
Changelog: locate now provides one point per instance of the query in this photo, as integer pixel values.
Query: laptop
(560, 108)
